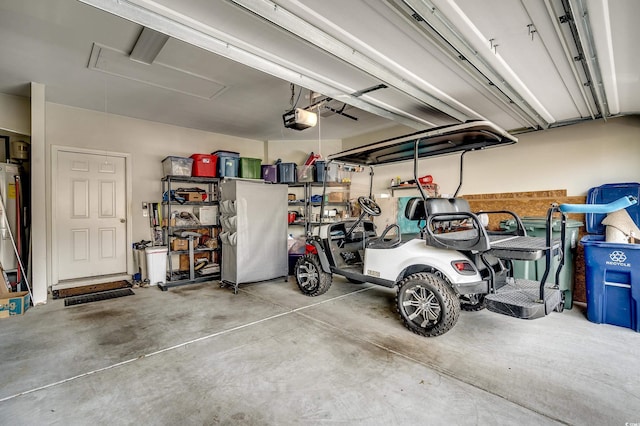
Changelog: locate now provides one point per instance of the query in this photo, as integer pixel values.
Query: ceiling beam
(148, 46)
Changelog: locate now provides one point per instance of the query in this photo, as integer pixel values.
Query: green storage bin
(250, 168)
(534, 270)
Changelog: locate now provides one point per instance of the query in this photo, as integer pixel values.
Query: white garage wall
(574, 158)
(147, 142)
(298, 151)
(15, 114)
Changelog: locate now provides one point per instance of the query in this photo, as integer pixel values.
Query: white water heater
(8, 173)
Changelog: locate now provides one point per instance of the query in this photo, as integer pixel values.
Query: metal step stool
(521, 299)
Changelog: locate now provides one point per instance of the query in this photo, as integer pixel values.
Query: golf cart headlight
(463, 267)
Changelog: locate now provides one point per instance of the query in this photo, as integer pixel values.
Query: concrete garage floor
(199, 354)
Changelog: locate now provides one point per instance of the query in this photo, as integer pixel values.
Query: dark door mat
(86, 289)
(95, 297)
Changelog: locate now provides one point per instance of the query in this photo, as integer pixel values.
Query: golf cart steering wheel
(369, 206)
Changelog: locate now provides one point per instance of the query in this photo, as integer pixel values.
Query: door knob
(122, 220)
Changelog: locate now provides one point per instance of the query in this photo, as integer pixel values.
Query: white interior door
(90, 219)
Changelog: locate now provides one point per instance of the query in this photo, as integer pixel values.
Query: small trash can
(534, 270)
(156, 264)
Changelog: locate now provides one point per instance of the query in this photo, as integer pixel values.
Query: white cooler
(156, 264)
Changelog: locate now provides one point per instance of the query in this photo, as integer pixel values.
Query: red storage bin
(204, 165)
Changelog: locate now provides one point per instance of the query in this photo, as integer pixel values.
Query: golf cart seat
(448, 223)
(382, 242)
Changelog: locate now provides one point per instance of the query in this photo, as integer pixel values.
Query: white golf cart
(453, 263)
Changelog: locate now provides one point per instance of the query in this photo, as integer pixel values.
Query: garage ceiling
(228, 66)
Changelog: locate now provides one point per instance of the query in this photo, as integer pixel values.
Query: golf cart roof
(467, 136)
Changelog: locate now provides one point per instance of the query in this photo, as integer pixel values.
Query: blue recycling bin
(612, 277)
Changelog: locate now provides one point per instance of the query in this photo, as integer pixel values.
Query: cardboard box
(191, 196)
(184, 259)
(14, 303)
(179, 244)
(336, 197)
(166, 222)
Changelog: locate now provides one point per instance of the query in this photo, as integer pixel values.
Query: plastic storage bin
(534, 270)
(319, 171)
(332, 174)
(228, 166)
(306, 173)
(250, 168)
(204, 165)
(270, 173)
(177, 166)
(156, 264)
(612, 281)
(287, 172)
(226, 154)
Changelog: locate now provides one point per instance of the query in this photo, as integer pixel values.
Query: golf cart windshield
(463, 137)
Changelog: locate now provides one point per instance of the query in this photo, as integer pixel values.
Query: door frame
(55, 283)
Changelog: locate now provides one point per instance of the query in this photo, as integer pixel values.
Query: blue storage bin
(319, 171)
(287, 172)
(612, 281)
(226, 153)
(228, 166)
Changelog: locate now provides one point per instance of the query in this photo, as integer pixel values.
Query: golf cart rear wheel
(472, 302)
(427, 305)
(310, 277)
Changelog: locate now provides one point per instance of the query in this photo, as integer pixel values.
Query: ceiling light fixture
(148, 46)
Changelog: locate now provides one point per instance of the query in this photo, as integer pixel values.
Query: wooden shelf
(429, 187)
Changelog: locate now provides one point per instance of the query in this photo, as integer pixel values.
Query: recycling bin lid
(605, 194)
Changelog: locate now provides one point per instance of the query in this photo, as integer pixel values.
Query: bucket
(291, 217)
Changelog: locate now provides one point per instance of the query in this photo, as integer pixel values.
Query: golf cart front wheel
(310, 277)
(427, 305)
